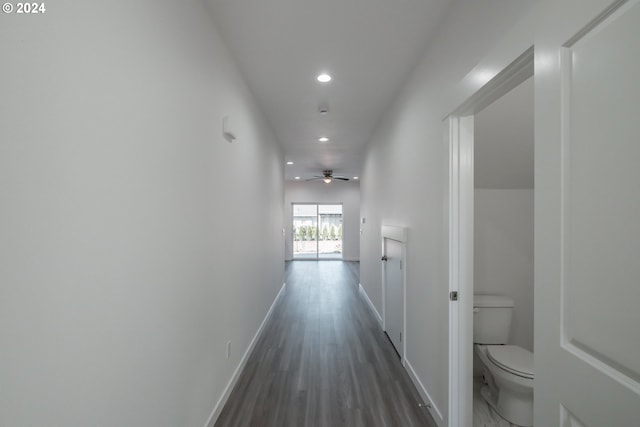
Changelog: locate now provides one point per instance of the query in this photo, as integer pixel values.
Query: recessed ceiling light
(324, 78)
(356, 177)
(297, 177)
(289, 163)
(323, 139)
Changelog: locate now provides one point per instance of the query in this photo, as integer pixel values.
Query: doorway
(503, 229)
(317, 231)
(461, 133)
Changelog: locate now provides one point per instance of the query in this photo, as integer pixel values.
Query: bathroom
(504, 229)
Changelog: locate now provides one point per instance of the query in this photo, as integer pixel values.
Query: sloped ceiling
(504, 141)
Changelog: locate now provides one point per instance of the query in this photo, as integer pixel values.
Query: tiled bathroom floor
(483, 415)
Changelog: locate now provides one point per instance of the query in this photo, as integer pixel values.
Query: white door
(394, 291)
(587, 285)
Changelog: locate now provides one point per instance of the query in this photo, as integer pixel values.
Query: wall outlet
(228, 349)
(228, 129)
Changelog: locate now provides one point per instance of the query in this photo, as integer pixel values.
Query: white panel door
(394, 294)
(587, 347)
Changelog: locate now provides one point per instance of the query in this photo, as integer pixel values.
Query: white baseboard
(431, 406)
(236, 374)
(364, 295)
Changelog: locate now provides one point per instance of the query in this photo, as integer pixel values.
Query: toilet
(508, 369)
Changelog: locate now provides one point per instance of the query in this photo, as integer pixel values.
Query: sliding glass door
(317, 231)
(330, 231)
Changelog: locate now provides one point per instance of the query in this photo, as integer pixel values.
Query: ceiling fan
(327, 177)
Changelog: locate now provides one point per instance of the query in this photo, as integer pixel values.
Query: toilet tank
(491, 319)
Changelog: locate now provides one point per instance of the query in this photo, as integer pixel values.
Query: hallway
(323, 360)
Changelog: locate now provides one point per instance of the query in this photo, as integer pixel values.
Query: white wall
(124, 259)
(405, 179)
(503, 254)
(347, 193)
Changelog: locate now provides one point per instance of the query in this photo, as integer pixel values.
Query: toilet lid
(512, 358)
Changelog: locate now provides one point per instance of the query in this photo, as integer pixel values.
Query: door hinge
(400, 336)
(453, 295)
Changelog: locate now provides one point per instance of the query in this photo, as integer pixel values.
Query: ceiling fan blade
(341, 178)
(314, 178)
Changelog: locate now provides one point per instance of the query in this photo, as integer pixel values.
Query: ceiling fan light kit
(327, 177)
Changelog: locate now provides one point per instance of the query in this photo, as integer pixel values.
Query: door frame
(459, 131)
(398, 234)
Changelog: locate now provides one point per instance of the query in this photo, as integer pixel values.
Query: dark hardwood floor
(323, 361)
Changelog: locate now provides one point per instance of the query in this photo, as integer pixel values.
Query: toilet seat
(512, 358)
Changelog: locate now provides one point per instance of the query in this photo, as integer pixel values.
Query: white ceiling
(504, 141)
(369, 46)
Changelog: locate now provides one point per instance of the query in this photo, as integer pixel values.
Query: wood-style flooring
(323, 361)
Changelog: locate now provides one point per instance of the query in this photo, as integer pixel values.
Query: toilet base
(492, 401)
